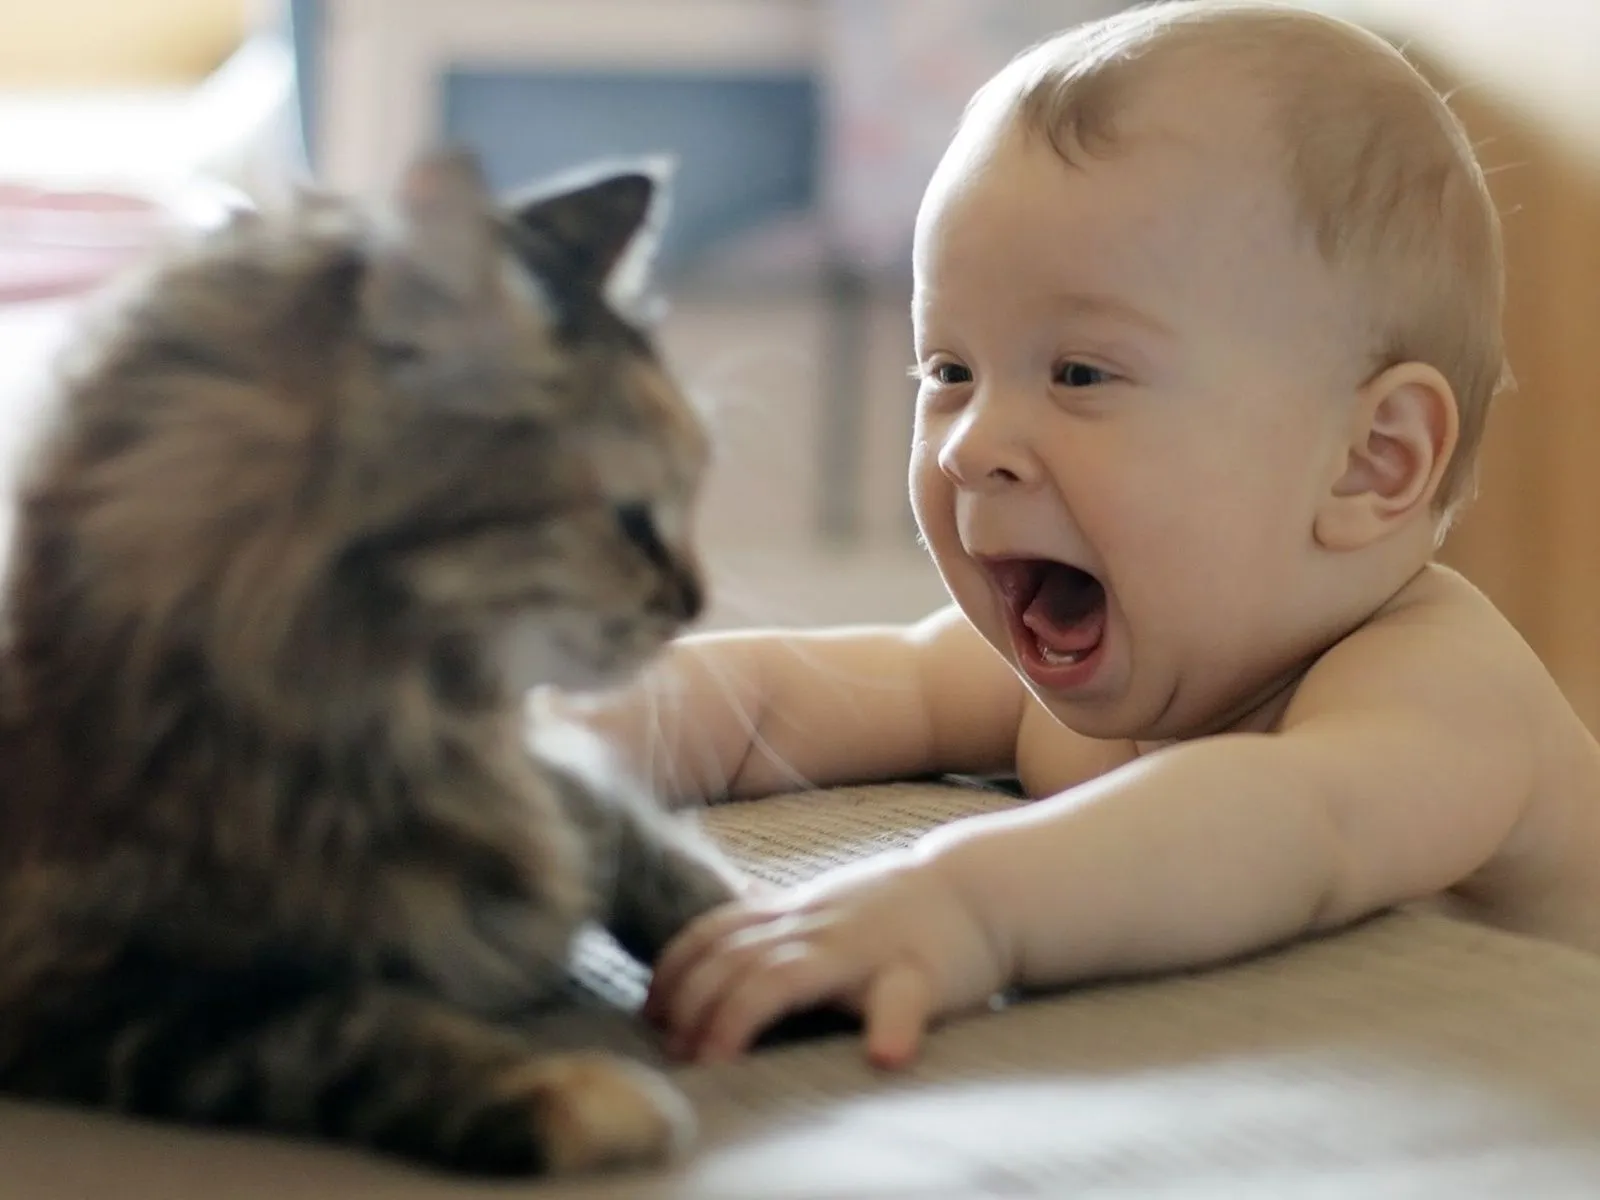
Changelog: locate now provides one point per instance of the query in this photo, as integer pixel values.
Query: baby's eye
(1080, 375)
(949, 374)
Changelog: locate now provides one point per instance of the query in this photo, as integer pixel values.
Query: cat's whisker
(758, 742)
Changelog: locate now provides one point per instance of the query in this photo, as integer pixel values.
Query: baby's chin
(1155, 712)
(1101, 720)
(1123, 707)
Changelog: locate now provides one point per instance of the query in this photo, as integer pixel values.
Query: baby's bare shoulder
(1438, 643)
(1442, 653)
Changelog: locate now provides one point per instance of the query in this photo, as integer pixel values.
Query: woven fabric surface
(1413, 1057)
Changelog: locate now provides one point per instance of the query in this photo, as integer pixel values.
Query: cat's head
(444, 423)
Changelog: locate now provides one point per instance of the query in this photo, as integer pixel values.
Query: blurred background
(804, 130)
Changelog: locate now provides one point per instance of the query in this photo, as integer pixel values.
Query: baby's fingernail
(889, 1060)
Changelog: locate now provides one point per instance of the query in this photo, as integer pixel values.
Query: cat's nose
(680, 592)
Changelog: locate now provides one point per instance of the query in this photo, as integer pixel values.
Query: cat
(274, 852)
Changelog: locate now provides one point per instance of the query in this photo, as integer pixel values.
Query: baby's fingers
(783, 978)
(899, 1003)
(686, 950)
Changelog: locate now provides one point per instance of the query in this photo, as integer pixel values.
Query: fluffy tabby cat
(272, 851)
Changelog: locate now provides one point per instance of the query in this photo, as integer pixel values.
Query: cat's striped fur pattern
(273, 852)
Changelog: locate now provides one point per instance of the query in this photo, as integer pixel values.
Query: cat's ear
(599, 229)
(446, 232)
(438, 258)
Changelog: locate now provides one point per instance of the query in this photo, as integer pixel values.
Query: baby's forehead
(1170, 179)
(1188, 222)
(1249, 108)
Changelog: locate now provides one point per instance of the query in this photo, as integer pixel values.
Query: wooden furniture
(1532, 538)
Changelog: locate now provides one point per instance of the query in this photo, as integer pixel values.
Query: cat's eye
(638, 525)
(395, 354)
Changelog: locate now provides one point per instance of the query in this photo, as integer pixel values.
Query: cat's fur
(273, 852)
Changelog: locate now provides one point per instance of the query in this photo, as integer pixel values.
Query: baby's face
(1136, 379)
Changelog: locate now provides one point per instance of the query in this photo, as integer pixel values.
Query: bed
(1413, 1056)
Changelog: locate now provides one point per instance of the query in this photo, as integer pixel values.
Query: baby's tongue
(1068, 614)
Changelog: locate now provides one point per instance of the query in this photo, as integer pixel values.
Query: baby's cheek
(930, 489)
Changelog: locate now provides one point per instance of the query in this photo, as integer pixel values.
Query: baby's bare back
(1543, 880)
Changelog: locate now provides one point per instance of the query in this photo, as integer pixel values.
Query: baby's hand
(891, 939)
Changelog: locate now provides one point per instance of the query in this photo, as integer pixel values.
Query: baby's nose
(987, 447)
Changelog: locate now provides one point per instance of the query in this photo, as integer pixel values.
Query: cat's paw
(590, 1111)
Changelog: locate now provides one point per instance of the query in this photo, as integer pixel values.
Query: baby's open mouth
(1057, 610)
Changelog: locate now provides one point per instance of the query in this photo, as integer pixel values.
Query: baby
(1207, 316)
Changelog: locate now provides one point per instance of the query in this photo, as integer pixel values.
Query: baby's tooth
(1057, 658)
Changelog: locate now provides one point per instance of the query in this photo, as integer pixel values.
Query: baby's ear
(1402, 434)
(598, 230)
(442, 247)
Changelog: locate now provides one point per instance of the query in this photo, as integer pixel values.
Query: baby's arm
(748, 714)
(1402, 767)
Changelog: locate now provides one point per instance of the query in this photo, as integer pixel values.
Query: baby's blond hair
(1377, 166)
